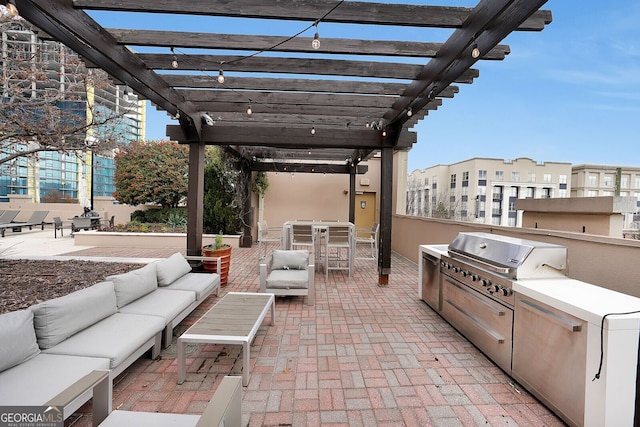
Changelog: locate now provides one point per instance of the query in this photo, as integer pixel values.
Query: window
(531, 192)
(546, 193)
(593, 180)
(514, 192)
(465, 176)
(453, 180)
(531, 177)
(562, 193)
(547, 177)
(624, 181)
(499, 175)
(592, 193)
(608, 181)
(562, 179)
(482, 174)
(482, 190)
(515, 176)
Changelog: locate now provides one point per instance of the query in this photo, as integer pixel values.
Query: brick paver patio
(362, 356)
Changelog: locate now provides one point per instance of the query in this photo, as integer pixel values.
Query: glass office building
(62, 176)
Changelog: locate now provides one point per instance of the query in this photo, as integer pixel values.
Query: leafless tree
(51, 101)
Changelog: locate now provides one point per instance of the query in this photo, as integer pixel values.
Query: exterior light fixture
(11, 8)
(249, 110)
(220, 76)
(174, 61)
(315, 43)
(475, 52)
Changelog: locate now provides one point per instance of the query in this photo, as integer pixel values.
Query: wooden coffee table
(234, 319)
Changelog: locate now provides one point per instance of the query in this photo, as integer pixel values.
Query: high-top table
(234, 319)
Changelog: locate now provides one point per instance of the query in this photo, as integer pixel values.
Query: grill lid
(516, 258)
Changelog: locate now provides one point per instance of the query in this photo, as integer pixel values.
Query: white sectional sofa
(106, 326)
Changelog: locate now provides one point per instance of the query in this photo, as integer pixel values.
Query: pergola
(314, 109)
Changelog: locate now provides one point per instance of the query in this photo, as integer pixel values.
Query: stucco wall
(604, 261)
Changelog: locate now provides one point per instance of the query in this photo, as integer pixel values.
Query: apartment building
(608, 180)
(484, 190)
(61, 175)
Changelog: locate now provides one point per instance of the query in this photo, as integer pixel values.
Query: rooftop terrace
(363, 355)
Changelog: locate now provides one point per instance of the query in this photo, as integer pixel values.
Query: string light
(249, 110)
(315, 43)
(220, 77)
(174, 62)
(475, 52)
(384, 133)
(125, 97)
(313, 130)
(409, 112)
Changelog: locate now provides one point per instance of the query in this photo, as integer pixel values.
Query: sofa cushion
(114, 338)
(160, 303)
(200, 283)
(57, 319)
(36, 381)
(288, 279)
(290, 260)
(18, 339)
(134, 284)
(171, 269)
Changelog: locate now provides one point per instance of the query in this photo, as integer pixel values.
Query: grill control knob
(475, 277)
(456, 269)
(486, 282)
(496, 288)
(465, 273)
(506, 291)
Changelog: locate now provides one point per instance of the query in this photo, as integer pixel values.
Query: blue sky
(570, 93)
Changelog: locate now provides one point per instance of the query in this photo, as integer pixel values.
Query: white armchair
(290, 272)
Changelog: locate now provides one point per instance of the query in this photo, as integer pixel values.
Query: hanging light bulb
(475, 52)
(12, 9)
(409, 112)
(313, 130)
(315, 43)
(384, 133)
(220, 77)
(174, 62)
(125, 96)
(249, 110)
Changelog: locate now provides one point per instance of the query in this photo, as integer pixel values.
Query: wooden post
(386, 191)
(195, 198)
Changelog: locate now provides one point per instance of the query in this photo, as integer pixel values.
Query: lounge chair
(290, 273)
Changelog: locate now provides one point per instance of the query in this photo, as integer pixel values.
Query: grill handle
(491, 267)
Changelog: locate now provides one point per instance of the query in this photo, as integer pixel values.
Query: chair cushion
(39, 379)
(290, 260)
(57, 319)
(200, 283)
(18, 339)
(134, 284)
(288, 279)
(171, 269)
(114, 338)
(120, 418)
(164, 304)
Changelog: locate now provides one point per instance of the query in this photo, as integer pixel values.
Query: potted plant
(218, 249)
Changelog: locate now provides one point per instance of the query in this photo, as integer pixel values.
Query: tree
(222, 204)
(50, 101)
(152, 172)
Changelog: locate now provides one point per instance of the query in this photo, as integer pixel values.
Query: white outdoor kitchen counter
(610, 399)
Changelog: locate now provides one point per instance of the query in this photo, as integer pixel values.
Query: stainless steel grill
(511, 257)
(477, 292)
